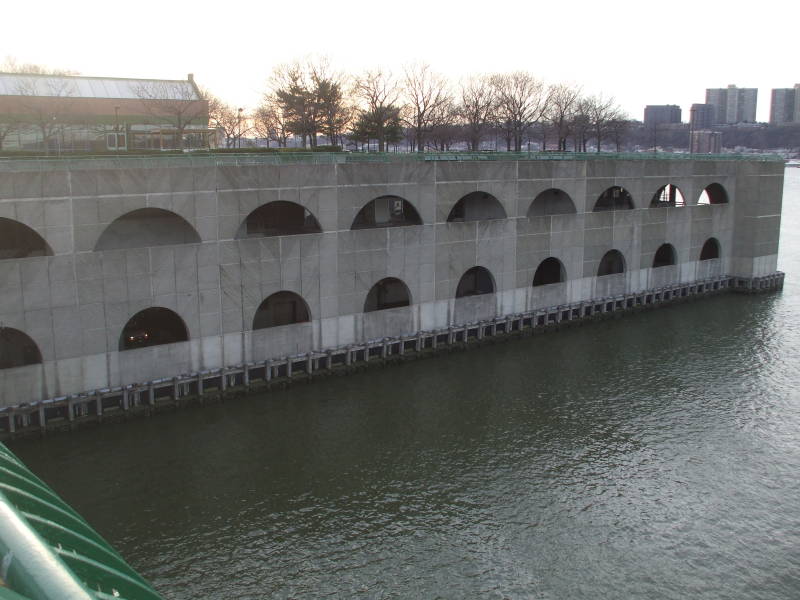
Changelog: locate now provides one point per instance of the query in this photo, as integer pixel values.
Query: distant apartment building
(733, 105)
(701, 116)
(706, 142)
(784, 106)
(658, 114)
(77, 113)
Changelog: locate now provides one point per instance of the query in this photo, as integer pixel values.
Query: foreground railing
(48, 551)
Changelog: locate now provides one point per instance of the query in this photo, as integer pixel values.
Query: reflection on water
(654, 456)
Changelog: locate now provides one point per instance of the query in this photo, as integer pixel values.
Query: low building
(63, 113)
(706, 142)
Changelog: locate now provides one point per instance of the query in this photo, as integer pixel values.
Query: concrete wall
(74, 304)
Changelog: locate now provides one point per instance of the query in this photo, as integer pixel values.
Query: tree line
(420, 109)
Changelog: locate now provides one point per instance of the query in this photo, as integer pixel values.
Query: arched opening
(614, 198)
(612, 263)
(281, 308)
(386, 211)
(713, 194)
(667, 196)
(710, 249)
(550, 270)
(20, 241)
(147, 227)
(17, 349)
(665, 256)
(152, 327)
(477, 206)
(551, 202)
(280, 218)
(387, 293)
(474, 282)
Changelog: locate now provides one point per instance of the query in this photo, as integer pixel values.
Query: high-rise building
(785, 106)
(732, 104)
(656, 114)
(701, 116)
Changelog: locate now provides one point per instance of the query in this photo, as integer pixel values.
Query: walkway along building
(123, 271)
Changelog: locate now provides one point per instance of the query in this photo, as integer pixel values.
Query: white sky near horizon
(638, 52)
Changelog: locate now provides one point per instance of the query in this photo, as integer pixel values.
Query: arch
(17, 349)
(713, 193)
(152, 327)
(477, 206)
(281, 308)
(20, 241)
(386, 211)
(552, 201)
(280, 217)
(665, 256)
(614, 198)
(389, 292)
(613, 262)
(476, 281)
(146, 227)
(711, 249)
(550, 270)
(668, 196)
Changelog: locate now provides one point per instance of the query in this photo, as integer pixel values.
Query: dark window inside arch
(614, 198)
(551, 202)
(550, 270)
(281, 308)
(146, 227)
(710, 249)
(17, 349)
(665, 256)
(387, 293)
(152, 327)
(386, 211)
(474, 282)
(477, 206)
(667, 196)
(612, 263)
(20, 241)
(713, 194)
(280, 218)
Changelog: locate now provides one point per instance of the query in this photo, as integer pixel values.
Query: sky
(638, 52)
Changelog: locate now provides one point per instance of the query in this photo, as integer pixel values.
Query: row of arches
(157, 325)
(146, 227)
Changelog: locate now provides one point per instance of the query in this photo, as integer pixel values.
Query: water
(655, 456)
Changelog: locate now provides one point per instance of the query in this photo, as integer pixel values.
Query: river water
(655, 456)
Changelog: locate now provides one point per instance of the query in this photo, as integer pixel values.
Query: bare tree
(521, 101)
(10, 65)
(476, 109)
(44, 104)
(601, 111)
(563, 105)
(427, 101)
(224, 118)
(175, 103)
(270, 123)
(379, 117)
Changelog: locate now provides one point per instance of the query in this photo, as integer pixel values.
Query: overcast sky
(639, 52)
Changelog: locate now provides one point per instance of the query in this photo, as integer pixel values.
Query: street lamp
(116, 129)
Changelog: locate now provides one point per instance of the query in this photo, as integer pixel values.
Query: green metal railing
(48, 551)
(210, 159)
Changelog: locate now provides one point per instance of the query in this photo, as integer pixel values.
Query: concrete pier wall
(75, 303)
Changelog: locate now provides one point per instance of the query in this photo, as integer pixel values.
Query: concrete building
(705, 141)
(733, 105)
(122, 271)
(785, 106)
(701, 116)
(68, 113)
(661, 114)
